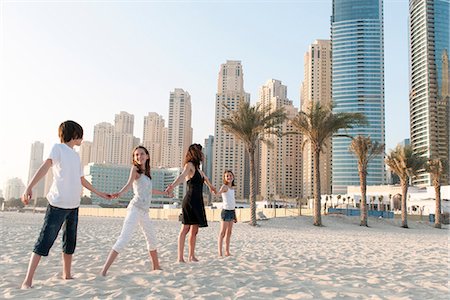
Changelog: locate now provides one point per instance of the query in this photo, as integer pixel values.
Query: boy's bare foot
(26, 286)
(228, 254)
(181, 260)
(103, 273)
(193, 258)
(67, 277)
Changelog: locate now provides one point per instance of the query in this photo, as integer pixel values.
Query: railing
(242, 214)
(356, 212)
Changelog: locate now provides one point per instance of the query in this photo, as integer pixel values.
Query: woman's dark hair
(224, 181)
(147, 162)
(70, 130)
(194, 155)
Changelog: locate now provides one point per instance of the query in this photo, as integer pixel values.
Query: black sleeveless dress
(192, 206)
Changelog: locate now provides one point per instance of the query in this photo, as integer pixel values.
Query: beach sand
(283, 258)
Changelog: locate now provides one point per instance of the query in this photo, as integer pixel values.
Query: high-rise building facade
(102, 143)
(179, 128)
(153, 137)
(123, 140)
(85, 152)
(229, 153)
(280, 160)
(36, 160)
(316, 87)
(14, 188)
(429, 40)
(357, 85)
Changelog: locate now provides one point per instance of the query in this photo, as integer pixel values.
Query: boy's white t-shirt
(66, 188)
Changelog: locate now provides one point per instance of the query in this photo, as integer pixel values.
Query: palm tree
(364, 150)
(251, 124)
(436, 167)
(318, 124)
(380, 203)
(404, 162)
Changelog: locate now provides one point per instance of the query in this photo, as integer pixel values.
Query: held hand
(27, 196)
(169, 189)
(115, 195)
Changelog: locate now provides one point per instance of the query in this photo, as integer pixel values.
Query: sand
(283, 258)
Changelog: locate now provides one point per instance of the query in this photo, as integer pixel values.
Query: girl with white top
(228, 214)
(137, 210)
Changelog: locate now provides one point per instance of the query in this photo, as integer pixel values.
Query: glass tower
(429, 81)
(357, 84)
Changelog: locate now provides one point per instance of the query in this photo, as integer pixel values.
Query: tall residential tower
(316, 87)
(229, 153)
(429, 36)
(357, 84)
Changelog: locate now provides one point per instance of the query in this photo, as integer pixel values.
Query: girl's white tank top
(228, 200)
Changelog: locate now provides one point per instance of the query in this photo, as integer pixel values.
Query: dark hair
(147, 162)
(194, 155)
(224, 181)
(70, 130)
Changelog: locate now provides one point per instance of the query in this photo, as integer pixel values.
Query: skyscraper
(85, 152)
(357, 84)
(179, 128)
(316, 87)
(280, 163)
(102, 143)
(153, 137)
(429, 81)
(36, 160)
(123, 140)
(229, 153)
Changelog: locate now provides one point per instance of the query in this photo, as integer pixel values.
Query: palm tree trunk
(317, 204)
(251, 153)
(404, 184)
(363, 184)
(437, 213)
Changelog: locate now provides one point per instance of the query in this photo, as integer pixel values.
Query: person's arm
(223, 189)
(43, 169)
(187, 170)
(90, 187)
(158, 192)
(126, 187)
(212, 189)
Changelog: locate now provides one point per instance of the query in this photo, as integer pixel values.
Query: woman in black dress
(193, 209)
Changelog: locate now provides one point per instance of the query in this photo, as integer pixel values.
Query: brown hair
(69, 130)
(223, 177)
(147, 162)
(194, 155)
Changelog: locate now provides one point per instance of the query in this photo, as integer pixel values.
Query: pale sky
(88, 60)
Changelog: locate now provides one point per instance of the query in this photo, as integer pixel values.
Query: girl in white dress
(137, 211)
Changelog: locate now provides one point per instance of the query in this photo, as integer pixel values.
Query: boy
(63, 197)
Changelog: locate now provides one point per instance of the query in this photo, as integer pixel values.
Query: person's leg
(69, 242)
(53, 221)
(34, 261)
(109, 260)
(125, 235)
(154, 258)
(148, 230)
(192, 240)
(229, 229)
(181, 240)
(220, 238)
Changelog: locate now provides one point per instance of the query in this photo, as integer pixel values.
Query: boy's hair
(70, 130)
(223, 177)
(147, 162)
(194, 155)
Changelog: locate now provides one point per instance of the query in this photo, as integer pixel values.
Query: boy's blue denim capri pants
(55, 218)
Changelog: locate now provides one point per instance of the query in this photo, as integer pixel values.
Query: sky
(89, 60)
